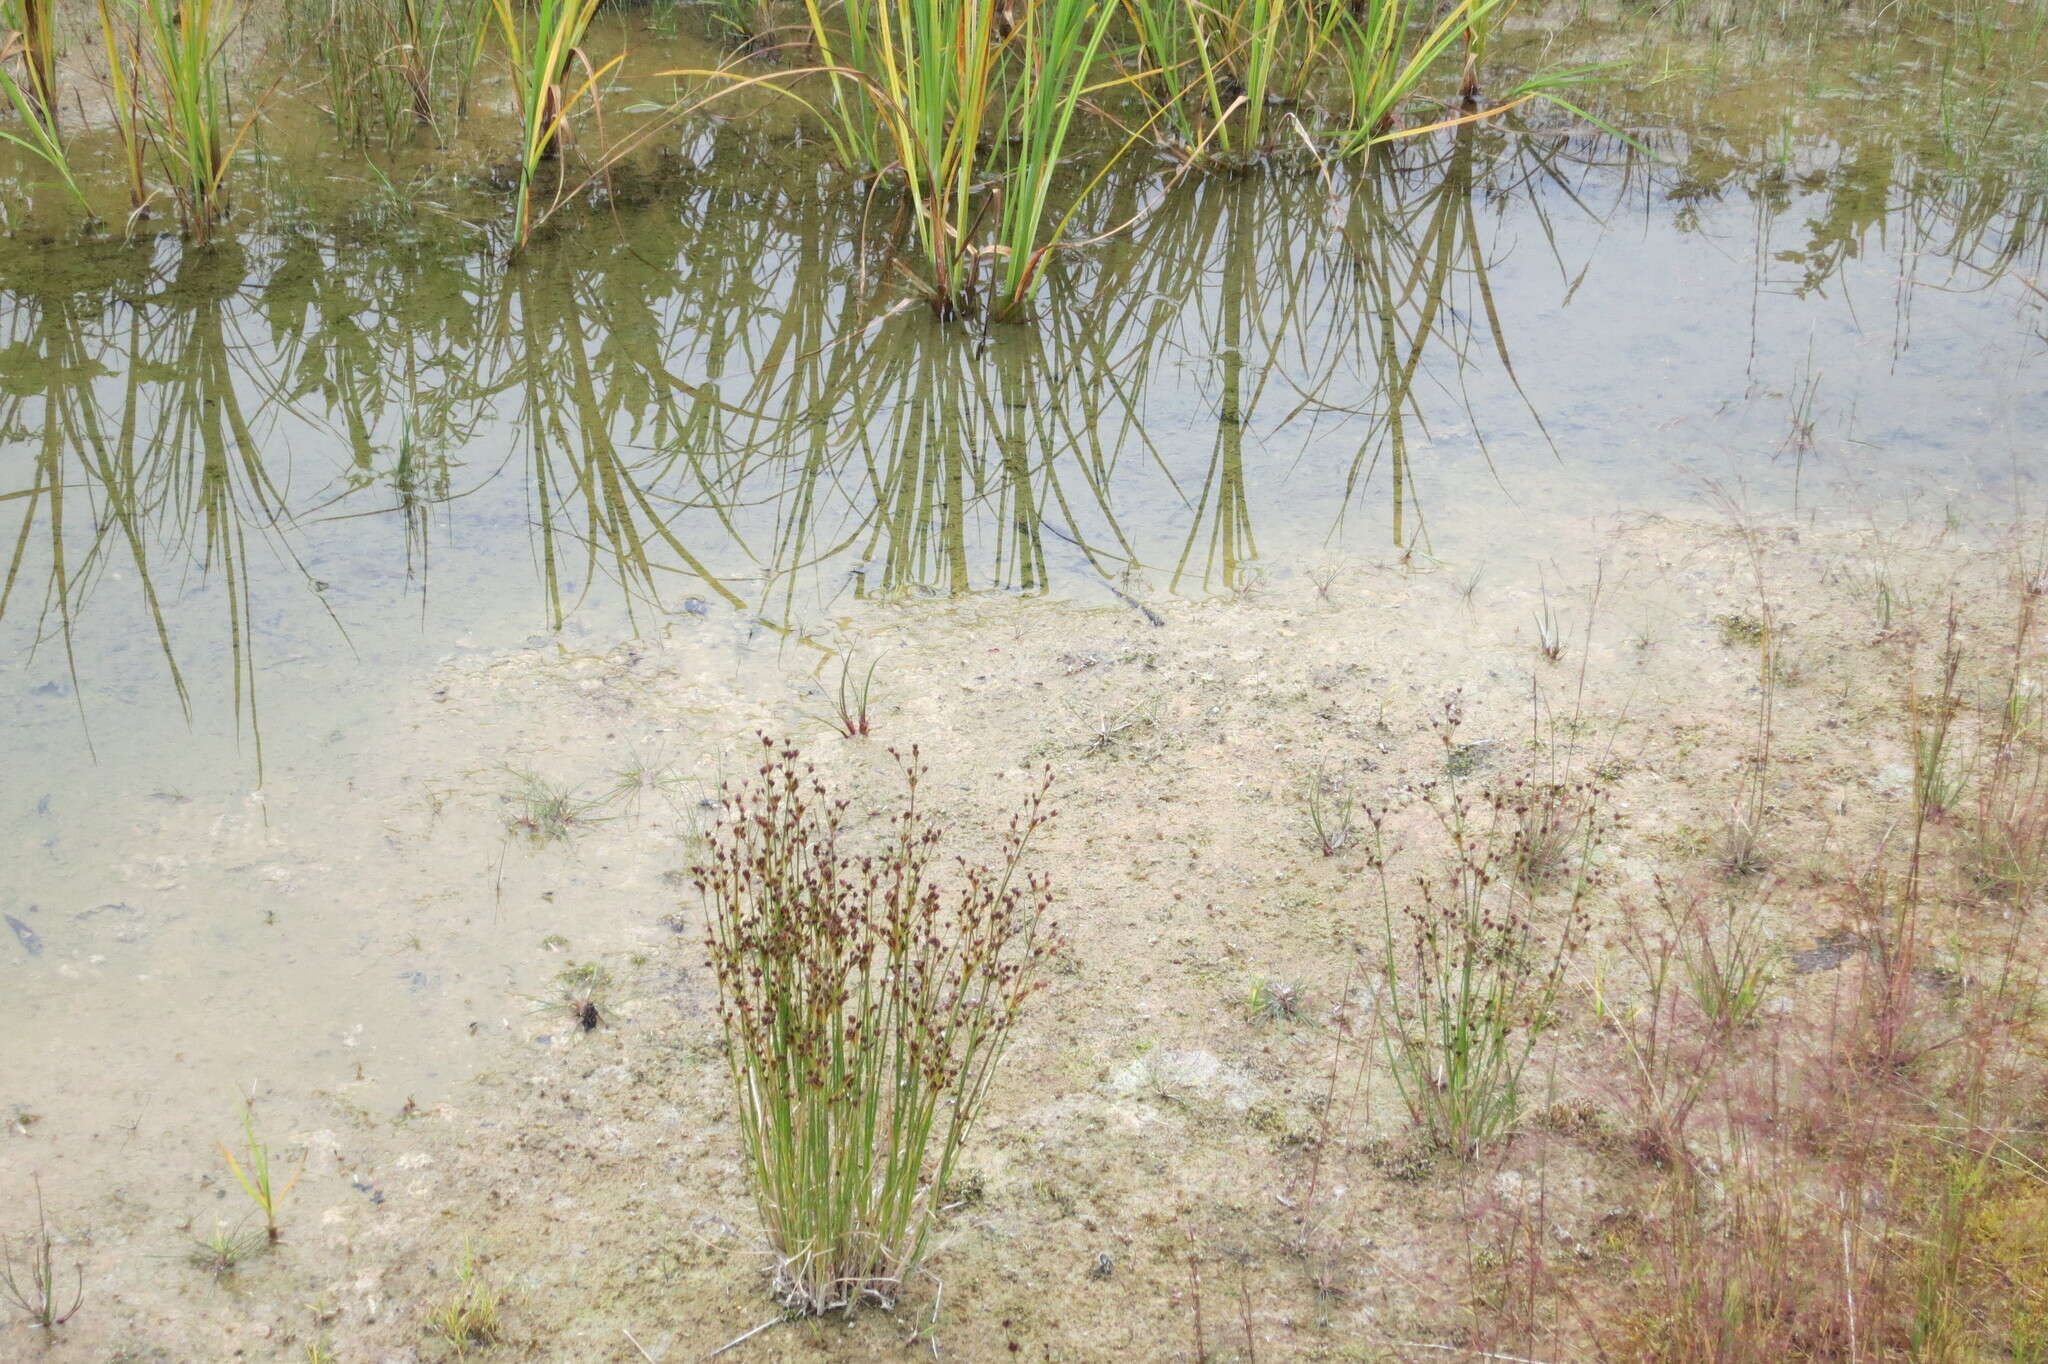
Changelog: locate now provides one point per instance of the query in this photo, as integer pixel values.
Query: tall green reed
(543, 47)
(1207, 71)
(914, 89)
(252, 1170)
(1056, 42)
(866, 1007)
(1480, 24)
(36, 1288)
(28, 42)
(970, 108)
(28, 34)
(167, 65)
(1382, 64)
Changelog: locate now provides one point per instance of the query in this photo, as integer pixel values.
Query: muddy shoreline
(1145, 1115)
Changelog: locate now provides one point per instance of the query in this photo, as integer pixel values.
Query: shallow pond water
(254, 493)
(250, 484)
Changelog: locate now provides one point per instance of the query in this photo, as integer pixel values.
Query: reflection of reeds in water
(707, 407)
(579, 382)
(66, 427)
(167, 462)
(1407, 258)
(1299, 332)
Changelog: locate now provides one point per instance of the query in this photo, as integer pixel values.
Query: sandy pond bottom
(1144, 1119)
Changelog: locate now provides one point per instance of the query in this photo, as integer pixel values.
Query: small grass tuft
(470, 1318)
(1738, 849)
(1727, 963)
(222, 1251)
(1114, 729)
(852, 714)
(1740, 628)
(579, 989)
(1549, 632)
(640, 777)
(546, 812)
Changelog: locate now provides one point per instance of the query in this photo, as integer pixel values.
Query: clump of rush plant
(1545, 831)
(866, 1006)
(35, 1286)
(1470, 973)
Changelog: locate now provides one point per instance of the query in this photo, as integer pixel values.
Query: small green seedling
(254, 1174)
(852, 711)
(1271, 1001)
(1332, 811)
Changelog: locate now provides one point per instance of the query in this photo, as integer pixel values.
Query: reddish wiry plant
(865, 1008)
(2006, 849)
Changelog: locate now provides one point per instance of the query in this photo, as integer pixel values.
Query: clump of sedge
(865, 1007)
